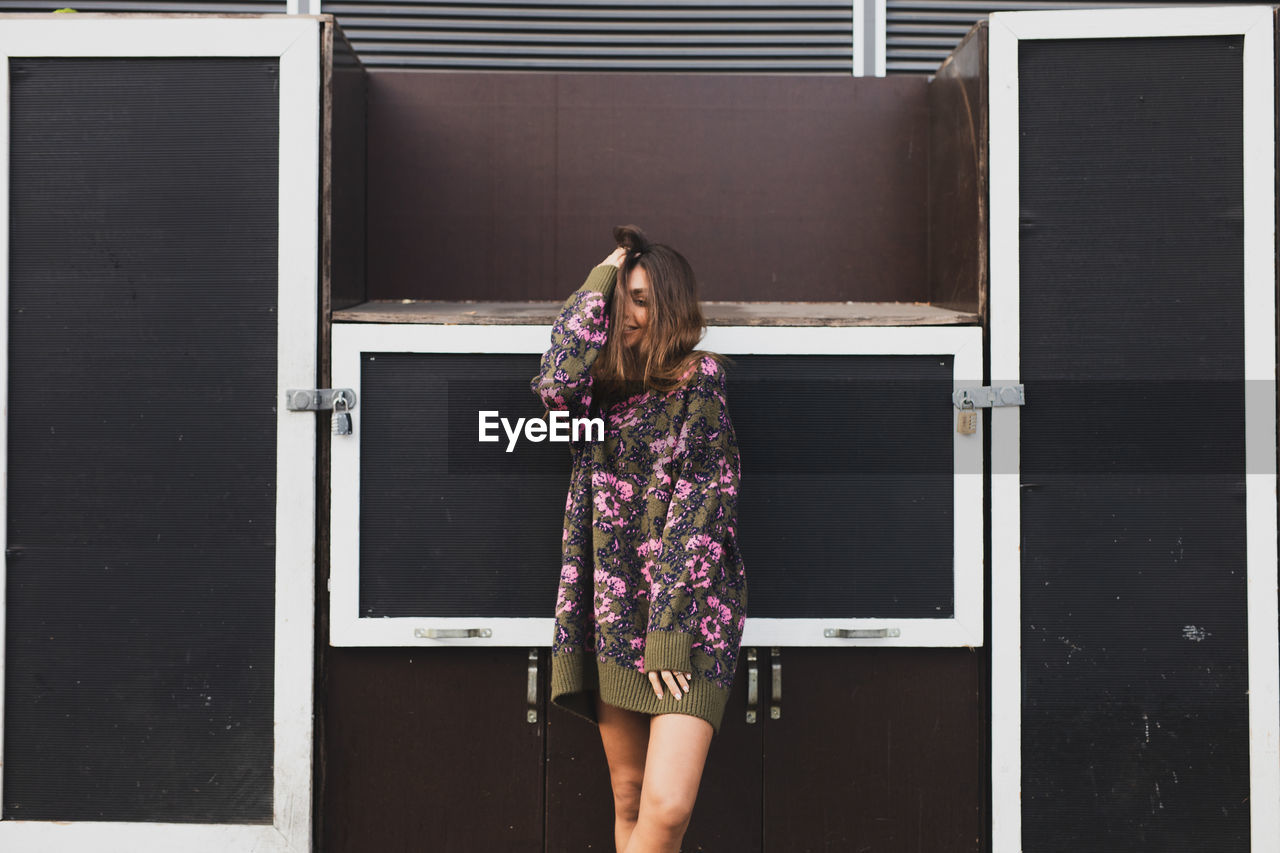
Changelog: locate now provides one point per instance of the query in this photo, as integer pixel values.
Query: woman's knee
(670, 811)
(626, 798)
(673, 769)
(625, 735)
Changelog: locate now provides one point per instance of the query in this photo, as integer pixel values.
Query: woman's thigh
(625, 735)
(678, 746)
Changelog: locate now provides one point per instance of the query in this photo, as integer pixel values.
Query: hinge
(319, 399)
(986, 396)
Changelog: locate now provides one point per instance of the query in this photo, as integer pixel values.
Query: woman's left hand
(619, 255)
(677, 681)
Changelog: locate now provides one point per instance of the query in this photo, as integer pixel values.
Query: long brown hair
(664, 360)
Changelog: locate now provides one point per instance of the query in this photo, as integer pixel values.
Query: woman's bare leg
(625, 735)
(678, 745)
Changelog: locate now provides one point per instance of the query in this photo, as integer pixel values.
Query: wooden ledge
(716, 313)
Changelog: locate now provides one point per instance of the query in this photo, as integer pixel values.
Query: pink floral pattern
(649, 540)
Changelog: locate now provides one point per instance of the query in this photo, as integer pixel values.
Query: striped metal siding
(212, 7)
(919, 34)
(595, 35)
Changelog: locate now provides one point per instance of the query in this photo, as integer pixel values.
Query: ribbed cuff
(576, 677)
(667, 650)
(601, 279)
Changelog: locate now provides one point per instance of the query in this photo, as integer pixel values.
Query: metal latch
(319, 399)
(987, 396)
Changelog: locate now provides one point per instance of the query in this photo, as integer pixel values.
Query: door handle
(753, 685)
(775, 695)
(860, 633)
(445, 633)
(531, 715)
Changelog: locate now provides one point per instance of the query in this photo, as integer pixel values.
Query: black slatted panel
(602, 35)
(450, 526)
(847, 484)
(847, 487)
(141, 493)
(1134, 659)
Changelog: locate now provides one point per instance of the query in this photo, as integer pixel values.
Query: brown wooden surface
(716, 313)
(958, 167)
(501, 186)
(348, 101)
(429, 750)
(877, 750)
(328, 35)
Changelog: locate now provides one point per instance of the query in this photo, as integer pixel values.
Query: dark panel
(774, 187)
(430, 749)
(858, 526)
(450, 526)
(347, 203)
(141, 494)
(958, 177)
(877, 749)
(726, 815)
(504, 186)
(342, 255)
(462, 186)
(846, 506)
(1134, 659)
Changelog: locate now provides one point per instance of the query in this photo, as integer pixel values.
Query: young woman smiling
(653, 594)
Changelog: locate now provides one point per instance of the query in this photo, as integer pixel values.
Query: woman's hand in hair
(616, 259)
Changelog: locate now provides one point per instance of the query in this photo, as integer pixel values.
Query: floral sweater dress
(651, 576)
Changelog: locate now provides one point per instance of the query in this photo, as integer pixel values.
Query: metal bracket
(987, 396)
(318, 399)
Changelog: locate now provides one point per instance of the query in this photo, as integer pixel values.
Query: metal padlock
(967, 419)
(340, 422)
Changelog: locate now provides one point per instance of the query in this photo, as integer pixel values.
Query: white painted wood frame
(350, 340)
(1255, 23)
(296, 41)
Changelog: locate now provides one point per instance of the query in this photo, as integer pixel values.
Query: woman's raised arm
(577, 337)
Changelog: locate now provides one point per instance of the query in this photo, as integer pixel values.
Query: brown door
(430, 750)
(862, 750)
(875, 750)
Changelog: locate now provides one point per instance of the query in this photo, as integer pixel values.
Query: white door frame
(296, 41)
(1256, 24)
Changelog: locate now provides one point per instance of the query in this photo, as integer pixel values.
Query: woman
(653, 595)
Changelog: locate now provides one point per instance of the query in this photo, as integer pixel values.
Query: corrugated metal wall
(666, 35)
(598, 35)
